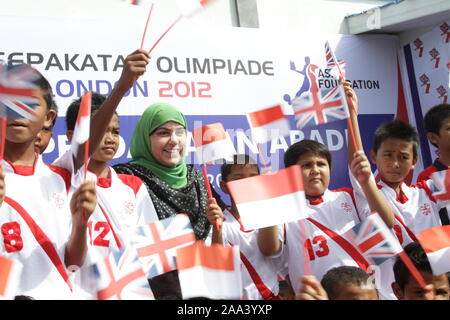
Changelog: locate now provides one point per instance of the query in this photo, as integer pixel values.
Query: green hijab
(153, 117)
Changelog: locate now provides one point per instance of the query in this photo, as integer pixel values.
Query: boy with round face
(406, 287)
(259, 273)
(42, 227)
(332, 214)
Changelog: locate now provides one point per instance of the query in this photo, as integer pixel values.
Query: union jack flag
(157, 242)
(119, 276)
(440, 186)
(316, 107)
(374, 240)
(337, 67)
(17, 91)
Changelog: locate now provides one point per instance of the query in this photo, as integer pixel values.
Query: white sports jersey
(35, 225)
(417, 207)
(259, 273)
(331, 216)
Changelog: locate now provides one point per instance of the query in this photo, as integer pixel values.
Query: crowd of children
(68, 222)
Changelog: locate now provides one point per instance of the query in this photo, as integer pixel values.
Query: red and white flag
(436, 244)
(190, 7)
(119, 276)
(212, 143)
(441, 184)
(9, 277)
(212, 272)
(271, 199)
(157, 242)
(83, 124)
(268, 123)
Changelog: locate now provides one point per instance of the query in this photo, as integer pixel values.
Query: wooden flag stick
(261, 157)
(146, 25)
(415, 273)
(208, 189)
(165, 32)
(3, 141)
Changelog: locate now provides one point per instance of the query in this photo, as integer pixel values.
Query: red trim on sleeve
(64, 173)
(42, 239)
(132, 181)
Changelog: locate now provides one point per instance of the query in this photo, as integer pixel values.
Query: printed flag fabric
(336, 67)
(374, 239)
(120, 276)
(271, 199)
(436, 244)
(17, 92)
(9, 277)
(268, 123)
(82, 126)
(212, 143)
(190, 7)
(316, 107)
(441, 184)
(157, 242)
(212, 272)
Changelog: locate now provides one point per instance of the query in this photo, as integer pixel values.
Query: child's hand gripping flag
(119, 276)
(9, 277)
(156, 243)
(436, 244)
(212, 272)
(269, 200)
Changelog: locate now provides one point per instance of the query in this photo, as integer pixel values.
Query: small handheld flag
(212, 272)
(441, 184)
(268, 123)
(119, 276)
(436, 244)
(9, 277)
(157, 242)
(268, 200)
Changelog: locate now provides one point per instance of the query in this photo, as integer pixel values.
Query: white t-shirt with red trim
(40, 193)
(417, 207)
(336, 212)
(259, 273)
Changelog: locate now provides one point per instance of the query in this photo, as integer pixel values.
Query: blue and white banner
(210, 75)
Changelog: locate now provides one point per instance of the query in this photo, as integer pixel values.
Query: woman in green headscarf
(158, 148)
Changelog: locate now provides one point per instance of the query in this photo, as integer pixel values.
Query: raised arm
(268, 241)
(134, 66)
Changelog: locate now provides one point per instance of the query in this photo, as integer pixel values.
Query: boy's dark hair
(97, 100)
(419, 259)
(298, 149)
(42, 83)
(399, 130)
(238, 159)
(432, 121)
(344, 275)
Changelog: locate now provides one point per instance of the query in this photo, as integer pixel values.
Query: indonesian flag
(213, 272)
(441, 184)
(212, 143)
(9, 277)
(436, 244)
(271, 199)
(82, 126)
(268, 123)
(190, 7)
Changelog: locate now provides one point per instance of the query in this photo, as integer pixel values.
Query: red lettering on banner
(183, 89)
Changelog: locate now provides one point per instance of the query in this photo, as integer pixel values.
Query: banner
(211, 75)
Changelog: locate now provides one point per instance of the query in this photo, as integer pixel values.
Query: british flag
(157, 242)
(316, 106)
(17, 92)
(336, 67)
(440, 185)
(374, 240)
(120, 276)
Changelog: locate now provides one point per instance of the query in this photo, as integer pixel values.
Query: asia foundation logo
(305, 84)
